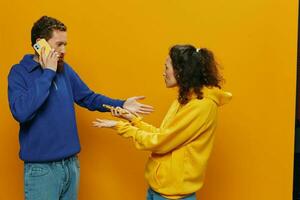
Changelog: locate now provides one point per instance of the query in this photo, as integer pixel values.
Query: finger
(43, 56)
(136, 114)
(95, 124)
(125, 111)
(53, 55)
(146, 109)
(99, 125)
(43, 51)
(139, 97)
(146, 106)
(120, 110)
(143, 112)
(56, 55)
(50, 55)
(115, 112)
(99, 120)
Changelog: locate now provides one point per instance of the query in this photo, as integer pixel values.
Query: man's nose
(63, 49)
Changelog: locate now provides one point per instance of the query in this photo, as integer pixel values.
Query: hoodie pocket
(153, 168)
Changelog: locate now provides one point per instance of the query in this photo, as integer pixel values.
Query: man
(42, 91)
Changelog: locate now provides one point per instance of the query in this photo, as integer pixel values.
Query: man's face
(58, 41)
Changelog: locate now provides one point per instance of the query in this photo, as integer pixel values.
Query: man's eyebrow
(59, 42)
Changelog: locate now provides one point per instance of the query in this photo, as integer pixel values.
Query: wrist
(51, 68)
(117, 125)
(135, 120)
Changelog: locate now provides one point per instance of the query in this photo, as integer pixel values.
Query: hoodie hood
(219, 96)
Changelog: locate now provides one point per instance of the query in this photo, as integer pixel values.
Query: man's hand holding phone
(49, 61)
(48, 57)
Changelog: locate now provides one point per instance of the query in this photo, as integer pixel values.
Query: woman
(183, 143)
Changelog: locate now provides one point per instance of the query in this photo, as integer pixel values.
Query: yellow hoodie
(181, 146)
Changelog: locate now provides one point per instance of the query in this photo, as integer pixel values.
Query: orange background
(119, 49)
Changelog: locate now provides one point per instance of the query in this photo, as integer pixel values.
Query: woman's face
(169, 75)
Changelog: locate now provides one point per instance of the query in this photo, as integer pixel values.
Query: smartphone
(121, 110)
(40, 44)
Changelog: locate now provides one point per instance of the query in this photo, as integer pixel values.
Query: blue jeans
(52, 180)
(152, 195)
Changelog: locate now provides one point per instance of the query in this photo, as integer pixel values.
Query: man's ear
(38, 39)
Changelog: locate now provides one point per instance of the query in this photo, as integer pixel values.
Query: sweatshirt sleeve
(185, 126)
(25, 101)
(85, 97)
(137, 122)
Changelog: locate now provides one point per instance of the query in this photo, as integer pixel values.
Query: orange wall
(119, 48)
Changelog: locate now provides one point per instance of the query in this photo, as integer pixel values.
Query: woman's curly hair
(193, 69)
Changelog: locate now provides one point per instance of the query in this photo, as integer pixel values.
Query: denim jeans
(152, 195)
(52, 180)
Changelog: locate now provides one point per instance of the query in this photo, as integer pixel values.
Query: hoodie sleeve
(137, 122)
(85, 97)
(25, 101)
(188, 124)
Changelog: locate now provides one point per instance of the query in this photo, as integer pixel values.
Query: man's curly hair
(193, 69)
(44, 27)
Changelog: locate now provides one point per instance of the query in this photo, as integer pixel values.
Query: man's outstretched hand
(132, 105)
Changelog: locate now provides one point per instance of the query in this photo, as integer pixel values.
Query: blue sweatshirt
(42, 101)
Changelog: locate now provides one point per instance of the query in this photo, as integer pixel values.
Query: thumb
(43, 52)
